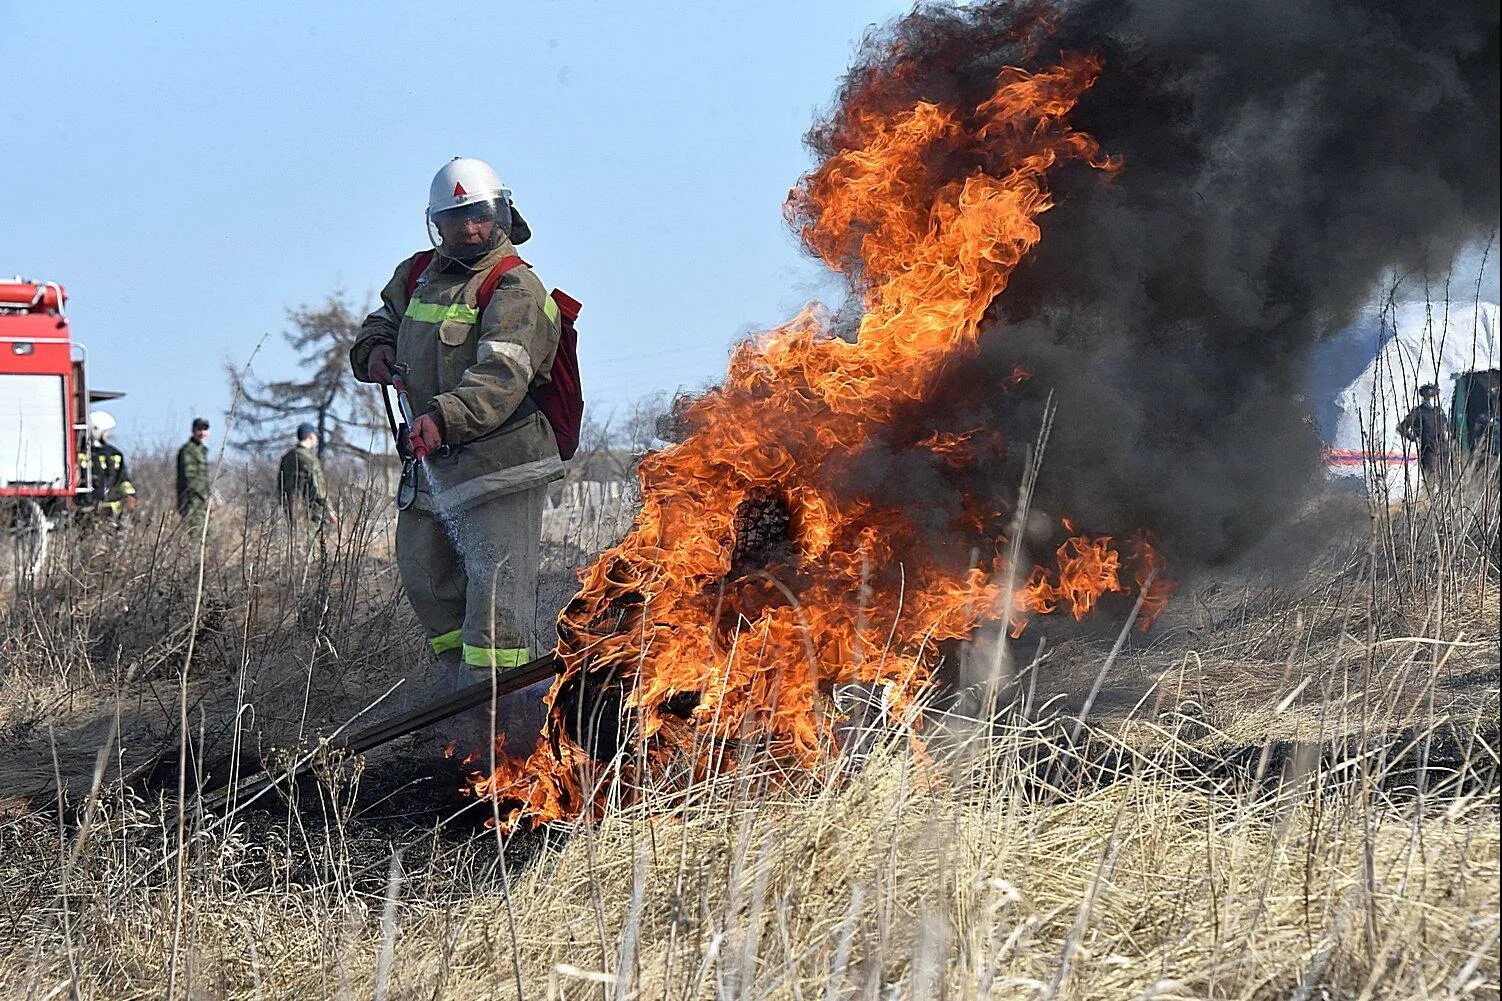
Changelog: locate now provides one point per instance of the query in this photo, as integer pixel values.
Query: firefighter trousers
(472, 576)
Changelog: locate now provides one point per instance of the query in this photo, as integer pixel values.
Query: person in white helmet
(472, 330)
(113, 494)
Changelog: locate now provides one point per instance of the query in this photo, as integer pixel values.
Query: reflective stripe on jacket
(110, 476)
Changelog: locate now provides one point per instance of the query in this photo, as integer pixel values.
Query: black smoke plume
(1278, 157)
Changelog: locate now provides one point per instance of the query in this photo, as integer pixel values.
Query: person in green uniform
(193, 472)
(300, 483)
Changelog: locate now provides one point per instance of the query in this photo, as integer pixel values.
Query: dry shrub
(1249, 822)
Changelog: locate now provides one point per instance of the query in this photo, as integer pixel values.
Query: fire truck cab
(45, 446)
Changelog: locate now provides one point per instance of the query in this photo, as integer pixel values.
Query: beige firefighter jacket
(474, 370)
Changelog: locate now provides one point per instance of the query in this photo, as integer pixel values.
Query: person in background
(1425, 426)
(300, 483)
(113, 495)
(193, 473)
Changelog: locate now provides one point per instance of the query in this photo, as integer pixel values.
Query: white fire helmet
(101, 423)
(465, 187)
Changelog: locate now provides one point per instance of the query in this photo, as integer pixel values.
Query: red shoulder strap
(420, 264)
(487, 287)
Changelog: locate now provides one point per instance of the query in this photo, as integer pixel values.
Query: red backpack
(561, 400)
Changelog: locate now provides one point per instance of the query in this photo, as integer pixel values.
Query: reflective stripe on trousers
(451, 640)
(478, 591)
(476, 656)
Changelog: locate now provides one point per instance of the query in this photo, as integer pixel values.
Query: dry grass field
(1288, 789)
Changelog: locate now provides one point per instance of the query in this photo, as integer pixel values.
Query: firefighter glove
(428, 430)
(382, 357)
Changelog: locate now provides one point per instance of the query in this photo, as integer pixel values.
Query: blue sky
(192, 172)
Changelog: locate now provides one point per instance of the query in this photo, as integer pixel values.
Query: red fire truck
(45, 447)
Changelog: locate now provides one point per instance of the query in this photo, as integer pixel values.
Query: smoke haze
(1277, 160)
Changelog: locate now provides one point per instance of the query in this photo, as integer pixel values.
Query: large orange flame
(855, 595)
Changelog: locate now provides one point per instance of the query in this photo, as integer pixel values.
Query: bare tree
(610, 448)
(598, 456)
(639, 429)
(348, 414)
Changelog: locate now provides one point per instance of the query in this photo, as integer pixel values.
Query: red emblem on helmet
(459, 190)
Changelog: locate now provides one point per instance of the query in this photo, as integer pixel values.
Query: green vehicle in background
(1474, 420)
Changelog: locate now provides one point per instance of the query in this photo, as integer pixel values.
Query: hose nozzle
(415, 445)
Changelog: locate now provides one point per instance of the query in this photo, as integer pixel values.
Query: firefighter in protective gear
(113, 493)
(299, 481)
(1426, 426)
(467, 547)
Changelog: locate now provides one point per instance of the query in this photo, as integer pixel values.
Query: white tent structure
(1418, 343)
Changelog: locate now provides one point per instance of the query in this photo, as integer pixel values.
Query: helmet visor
(469, 231)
